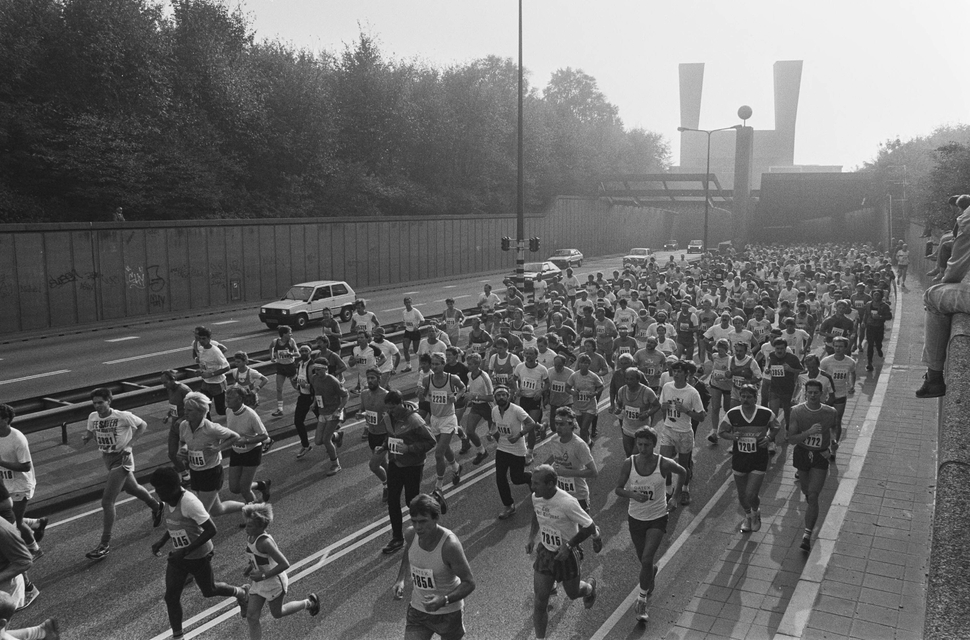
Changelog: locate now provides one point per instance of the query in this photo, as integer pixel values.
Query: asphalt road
(60, 363)
(332, 530)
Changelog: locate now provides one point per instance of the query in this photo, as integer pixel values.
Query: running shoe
(746, 525)
(396, 544)
(268, 445)
(480, 458)
(640, 610)
(756, 521)
(685, 497)
(36, 553)
(264, 489)
(869, 367)
(29, 596)
(338, 439)
(456, 477)
(51, 629)
(466, 446)
(384, 494)
(438, 495)
(879, 352)
(314, 607)
(806, 544)
(41, 528)
(597, 544)
(303, 451)
(772, 448)
(157, 515)
(712, 437)
(277, 414)
(406, 369)
(590, 598)
(508, 513)
(243, 601)
(335, 468)
(98, 552)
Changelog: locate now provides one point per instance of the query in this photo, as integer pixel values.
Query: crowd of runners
(758, 349)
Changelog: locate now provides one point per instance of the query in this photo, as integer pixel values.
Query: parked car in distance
(536, 271)
(637, 257)
(564, 258)
(671, 245)
(305, 302)
(695, 246)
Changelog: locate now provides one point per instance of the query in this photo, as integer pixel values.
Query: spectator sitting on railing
(948, 296)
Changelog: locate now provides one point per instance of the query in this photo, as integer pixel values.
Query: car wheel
(302, 321)
(346, 314)
(579, 264)
(271, 325)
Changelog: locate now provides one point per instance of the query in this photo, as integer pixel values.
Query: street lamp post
(707, 174)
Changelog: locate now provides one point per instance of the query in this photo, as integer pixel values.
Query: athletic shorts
(841, 400)
(413, 336)
(562, 570)
(330, 417)
(639, 528)
(251, 458)
(286, 370)
(271, 588)
(21, 496)
(375, 440)
(482, 409)
(782, 397)
(682, 441)
(757, 462)
(122, 459)
(207, 479)
(531, 404)
(806, 459)
(443, 425)
(448, 626)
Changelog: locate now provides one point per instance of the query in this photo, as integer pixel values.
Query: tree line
(184, 113)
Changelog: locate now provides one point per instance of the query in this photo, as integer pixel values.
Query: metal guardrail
(49, 412)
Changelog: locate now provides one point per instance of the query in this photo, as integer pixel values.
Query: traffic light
(506, 243)
(534, 244)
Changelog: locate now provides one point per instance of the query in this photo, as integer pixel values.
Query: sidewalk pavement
(865, 577)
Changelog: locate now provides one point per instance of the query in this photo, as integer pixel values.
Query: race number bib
(685, 326)
(650, 372)
(371, 418)
(423, 578)
(396, 446)
(196, 458)
(747, 444)
(814, 441)
(501, 378)
(738, 381)
(837, 332)
(530, 384)
(717, 375)
(180, 539)
(672, 411)
(841, 376)
(777, 371)
(566, 484)
(504, 429)
(439, 397)
(631, 413)
(6, 474)
(558, 387)
(642, 334)
(107, 440)
(585, 396)
(623, 350)
(550, 537)
(645, 492)
(409, 325)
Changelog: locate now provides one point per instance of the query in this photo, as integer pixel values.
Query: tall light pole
(707, 174)
(520, 182)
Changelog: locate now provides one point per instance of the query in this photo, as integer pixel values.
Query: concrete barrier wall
(60, 275)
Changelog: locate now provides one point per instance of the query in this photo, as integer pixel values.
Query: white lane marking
(450, 286)
(226, 322)
(411, 293)
(393, 309)
(122, 339)
(688, 531)
(802, 601)
(35, 376)
(146, 355)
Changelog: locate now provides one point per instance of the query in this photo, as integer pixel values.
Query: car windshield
(639, 252)
(298, 293)
(533, 266)
(563, 252)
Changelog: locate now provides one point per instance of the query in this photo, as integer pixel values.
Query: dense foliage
(923, 172)
(184, 114)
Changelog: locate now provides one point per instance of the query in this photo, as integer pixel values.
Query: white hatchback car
(306, 301)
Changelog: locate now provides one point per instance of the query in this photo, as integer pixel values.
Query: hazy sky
(873, 69)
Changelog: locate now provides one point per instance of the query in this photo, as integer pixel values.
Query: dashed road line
(35, 376)
(122, 339)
